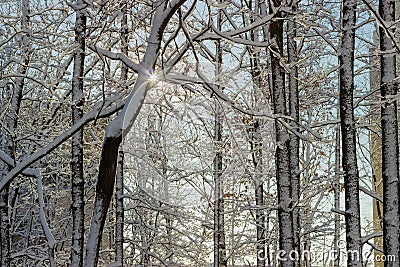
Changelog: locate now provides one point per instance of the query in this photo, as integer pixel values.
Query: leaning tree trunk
(390, 145)
(282, 153)
(348, 130)
(78, 184)
(121, 125)
(14, 93)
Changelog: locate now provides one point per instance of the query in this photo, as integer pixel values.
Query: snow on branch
(117, 56)
(49, 236)
(97, 112)
(31, 172)
(371, 194)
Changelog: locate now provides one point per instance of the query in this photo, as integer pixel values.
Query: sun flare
(153, 78)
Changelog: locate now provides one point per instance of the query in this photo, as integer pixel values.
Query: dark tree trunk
(220, 259)
(390, 145)
(348, 130)
(104, 192)
(294, 139)
(256, 147)
(120, 125)
(119, 210)
(8, 146)
(336, 188)
(282, 153)
(219, 222)
(78, 184)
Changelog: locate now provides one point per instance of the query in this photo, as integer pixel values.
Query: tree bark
(119, 211)
(9, 148)
(119, 180)
(121, 125)
(220, 259)
(219, 221)
(282, 153)
(256, 144)
(77, 179)
(294, 144)
(390, 145)
(348, 131)
(256, 147)
(336, 188)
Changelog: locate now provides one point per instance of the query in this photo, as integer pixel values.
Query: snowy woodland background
(198, 133)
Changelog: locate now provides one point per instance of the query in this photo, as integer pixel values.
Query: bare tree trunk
(348, 130)
(307, 215)
(282, 153)
(256, 147)
(390, 145)
(336, 188)
(119, 180)
(168, 217)
(294, 144)
(144, 255)
(220, 259)
(119, 211)
(4, 221)
(170, 252)
(78, 184)
(156, 147)
(376, 150)
(120, 125)
(7, 142)
(15, 96)
(219, 222)
(219, 208)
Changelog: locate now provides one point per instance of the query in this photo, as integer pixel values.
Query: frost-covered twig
(366, 238)
(88, 117)
(371, 194)
(35, 172)
(49, 236)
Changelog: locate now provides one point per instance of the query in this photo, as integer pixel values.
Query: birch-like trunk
(348, 131)
(220, 259)
(282, 153)
(78, 184)
(390, 145)
(219, 221)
